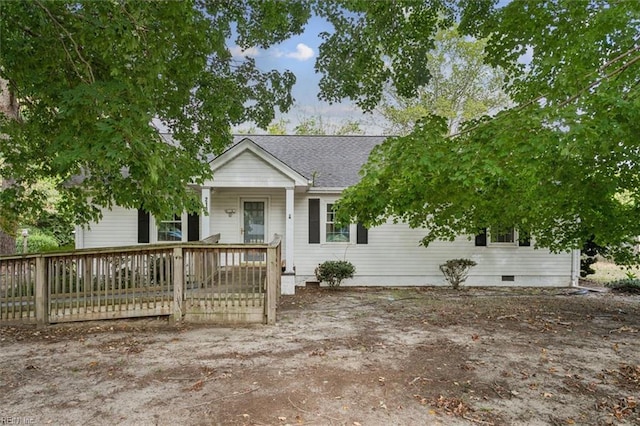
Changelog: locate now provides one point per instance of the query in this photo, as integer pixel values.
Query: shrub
(37, 243)
(456, 271)
(334, 271)
(626, 285)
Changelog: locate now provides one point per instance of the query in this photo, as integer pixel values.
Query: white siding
(248, 170)
(118, 227)
(393, 256)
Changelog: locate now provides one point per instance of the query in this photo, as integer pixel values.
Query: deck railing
(190, 281)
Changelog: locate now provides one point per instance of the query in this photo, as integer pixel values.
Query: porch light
(230, 212)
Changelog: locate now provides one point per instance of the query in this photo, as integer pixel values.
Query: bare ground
(346, 357)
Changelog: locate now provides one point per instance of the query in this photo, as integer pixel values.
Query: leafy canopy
(563, 163)
(92, 78)
(462, 86)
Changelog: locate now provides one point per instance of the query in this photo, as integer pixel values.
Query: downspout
(79, 237)
(575, 267)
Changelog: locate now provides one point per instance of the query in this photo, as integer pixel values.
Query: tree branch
(75, 45)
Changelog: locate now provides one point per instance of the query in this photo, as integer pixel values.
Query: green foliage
(37, 243)
(318, 125)
(627, 285)
(563, 162)
(462, 87)
(588, 257)
(333, 272)
(278, 127)
(92, 78)
(456, 271)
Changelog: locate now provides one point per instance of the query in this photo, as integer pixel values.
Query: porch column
(288, 235)
(205, 221)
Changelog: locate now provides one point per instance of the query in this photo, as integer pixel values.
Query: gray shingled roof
(333, 161)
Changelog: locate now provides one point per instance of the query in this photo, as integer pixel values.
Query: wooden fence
(222, 283)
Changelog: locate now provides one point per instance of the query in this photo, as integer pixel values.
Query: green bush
(456, 271)
(334, 271)
(626, 285)
(37, 243)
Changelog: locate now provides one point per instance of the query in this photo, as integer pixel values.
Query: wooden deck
(191, 281)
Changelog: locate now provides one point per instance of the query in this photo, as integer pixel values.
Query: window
(501, 236)
(170, 230)
(335, 234)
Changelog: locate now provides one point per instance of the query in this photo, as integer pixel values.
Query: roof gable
(245, 161)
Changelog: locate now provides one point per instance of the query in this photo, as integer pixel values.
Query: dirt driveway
(346, 357)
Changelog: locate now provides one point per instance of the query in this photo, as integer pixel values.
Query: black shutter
(362, 234)
(143, 226)
(524, 239)
(314, 221)
(193, 227)
(481, 238)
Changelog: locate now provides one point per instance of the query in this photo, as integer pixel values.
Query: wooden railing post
(42, 302)
(272, 285)
(178, 283)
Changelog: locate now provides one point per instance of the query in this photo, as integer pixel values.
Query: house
(266, 184)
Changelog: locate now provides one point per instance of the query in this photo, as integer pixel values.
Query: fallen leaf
(197, 386)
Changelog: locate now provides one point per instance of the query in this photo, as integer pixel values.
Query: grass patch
(627, 285)
(607, 271)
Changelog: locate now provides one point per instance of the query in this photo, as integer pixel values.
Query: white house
(267, 184)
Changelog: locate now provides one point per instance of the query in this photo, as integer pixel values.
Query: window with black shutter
(362, 234)
(314, 221)
(144, 220)
(193, 227)
(481, 238)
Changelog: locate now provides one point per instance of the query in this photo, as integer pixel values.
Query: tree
(562, 164)
(92, 77)
(317, 125)
(8, 223)
(462, 87)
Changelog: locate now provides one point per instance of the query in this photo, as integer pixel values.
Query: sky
(298, 55)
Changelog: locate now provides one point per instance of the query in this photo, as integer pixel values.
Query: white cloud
(238, 52)
(302, 53)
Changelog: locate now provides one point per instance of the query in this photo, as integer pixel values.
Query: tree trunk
(8, 107)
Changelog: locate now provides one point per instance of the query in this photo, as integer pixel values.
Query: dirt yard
(345, 357)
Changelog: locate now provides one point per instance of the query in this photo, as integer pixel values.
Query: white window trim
(515, 242)
(153, 238)
(323, 227)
